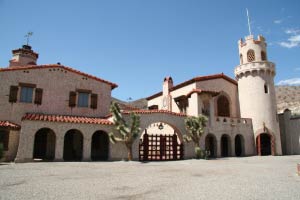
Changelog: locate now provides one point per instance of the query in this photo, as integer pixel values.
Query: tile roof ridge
(28, 67)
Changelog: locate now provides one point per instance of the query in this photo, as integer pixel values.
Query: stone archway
(160, 141)
(265, 144)
(44, 144)
(225, 145)
(211, 145)
(73, 145)
(100, 146)
(239, 145)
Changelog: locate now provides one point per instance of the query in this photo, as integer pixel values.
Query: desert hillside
(288, 97)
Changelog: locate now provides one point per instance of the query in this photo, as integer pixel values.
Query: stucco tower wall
(256, 89)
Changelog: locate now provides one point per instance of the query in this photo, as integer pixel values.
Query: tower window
(266, 88)
(241, 59)
(263, 55)
(250, 55)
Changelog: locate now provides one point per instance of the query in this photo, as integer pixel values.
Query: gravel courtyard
(231, 178)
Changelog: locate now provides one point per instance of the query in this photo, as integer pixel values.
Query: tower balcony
(230, 124)
(255, 68)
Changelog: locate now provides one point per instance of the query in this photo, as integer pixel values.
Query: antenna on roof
(249, 26)
(28, 35)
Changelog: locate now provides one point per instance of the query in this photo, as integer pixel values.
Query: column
(59, 147)
(87, 145)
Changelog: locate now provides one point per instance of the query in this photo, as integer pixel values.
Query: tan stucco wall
(290, 133)
(13, 143)
(56, 86)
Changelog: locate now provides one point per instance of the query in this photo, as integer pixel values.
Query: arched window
(250, 55)
(223, 106)
(241, 59)
(263, 55)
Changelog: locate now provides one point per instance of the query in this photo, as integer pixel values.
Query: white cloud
(278, 21)
(292, 81)
(292, 31)
(297, 69)
(293, 40)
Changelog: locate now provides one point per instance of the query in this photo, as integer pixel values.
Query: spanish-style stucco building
(54, 112)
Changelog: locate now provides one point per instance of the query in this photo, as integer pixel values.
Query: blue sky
(136, 43)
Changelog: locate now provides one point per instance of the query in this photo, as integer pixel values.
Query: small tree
(195, 127)
(128, 131)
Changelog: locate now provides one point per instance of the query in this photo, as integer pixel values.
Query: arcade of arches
(211, 144)
(162, 143)
(45, 144)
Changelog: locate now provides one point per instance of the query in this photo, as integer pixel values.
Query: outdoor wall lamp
(160, 126)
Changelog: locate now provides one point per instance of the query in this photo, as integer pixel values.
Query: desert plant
(129, 132)
(195, 128)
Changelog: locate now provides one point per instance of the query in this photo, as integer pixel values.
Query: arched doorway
(44, 144)
(264, 144)
(73, 145)
(211, 145)
(100, 146)
(160, 141)
(223, 107)
(239, 145)
(225, 146)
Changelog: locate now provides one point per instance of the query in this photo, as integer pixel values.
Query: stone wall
(290, 133)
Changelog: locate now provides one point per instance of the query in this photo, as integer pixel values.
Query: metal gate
(160, 147)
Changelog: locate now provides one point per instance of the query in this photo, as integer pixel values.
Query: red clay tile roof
(196, 79)
(155, 111)
(10, 125)
(198, 91)
(50, 66)
(66, 119)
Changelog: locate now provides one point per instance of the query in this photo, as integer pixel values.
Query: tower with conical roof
(255, 76)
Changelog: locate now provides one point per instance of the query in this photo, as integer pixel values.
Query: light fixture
(160, 126)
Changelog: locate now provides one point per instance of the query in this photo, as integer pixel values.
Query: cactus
(195, 128)
(128, 132)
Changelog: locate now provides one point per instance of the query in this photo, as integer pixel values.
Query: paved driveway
(233, 178)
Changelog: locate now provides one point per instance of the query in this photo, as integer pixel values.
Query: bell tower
(23, 56)
(255, 76)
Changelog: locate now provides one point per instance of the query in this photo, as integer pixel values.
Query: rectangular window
(83, 99)
(26, 94)
(266, 88)
(4, 138)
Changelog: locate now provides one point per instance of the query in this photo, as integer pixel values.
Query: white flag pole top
(248, 22)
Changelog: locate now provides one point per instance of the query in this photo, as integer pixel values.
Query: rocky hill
(287, 97)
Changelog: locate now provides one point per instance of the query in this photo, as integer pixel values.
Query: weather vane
(248, 21)
(28, 35)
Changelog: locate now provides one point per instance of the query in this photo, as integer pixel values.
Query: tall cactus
(195, 127)
(129, 131)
